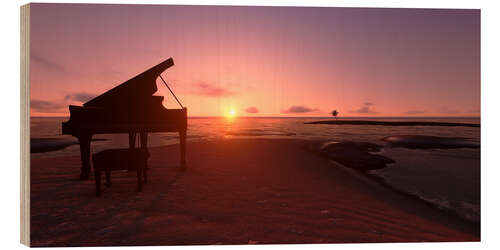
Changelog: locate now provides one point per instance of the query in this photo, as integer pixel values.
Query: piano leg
(182, 135)
(84, 141)
(131, 140)
(144, 144)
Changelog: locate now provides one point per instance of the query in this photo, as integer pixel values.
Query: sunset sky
(261, 61)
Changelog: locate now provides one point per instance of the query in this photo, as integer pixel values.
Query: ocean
(446, 178)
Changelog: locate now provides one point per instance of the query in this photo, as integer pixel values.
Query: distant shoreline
(394, 123)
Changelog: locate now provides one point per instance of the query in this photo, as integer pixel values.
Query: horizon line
(343, 117)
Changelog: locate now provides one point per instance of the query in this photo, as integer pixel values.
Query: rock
(356, 155)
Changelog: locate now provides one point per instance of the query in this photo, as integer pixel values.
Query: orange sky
(262, 61)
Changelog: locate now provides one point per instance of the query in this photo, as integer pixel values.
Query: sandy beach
(237, 191)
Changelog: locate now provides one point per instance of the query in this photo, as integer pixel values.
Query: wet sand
(239, 191)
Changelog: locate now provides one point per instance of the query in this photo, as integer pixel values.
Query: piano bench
(120, 159)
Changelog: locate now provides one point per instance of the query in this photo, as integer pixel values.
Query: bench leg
(108, 178)
(139, 179)
(97, 183)
(144, 145)
(144, 140)
(145, 172)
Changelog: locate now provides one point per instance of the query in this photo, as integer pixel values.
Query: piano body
(128, 108)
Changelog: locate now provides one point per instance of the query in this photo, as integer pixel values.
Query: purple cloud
(46, 106)
(298, 110)
(47, 63)
(79, 96)
(448, 111)
(365, 109)
(414, 112)
(252, 110)
(206, 89)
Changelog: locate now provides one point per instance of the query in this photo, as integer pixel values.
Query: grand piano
(128, 108)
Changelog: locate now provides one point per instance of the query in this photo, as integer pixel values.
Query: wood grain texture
(25, 124)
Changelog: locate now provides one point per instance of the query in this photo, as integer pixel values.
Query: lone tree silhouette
(335, 113)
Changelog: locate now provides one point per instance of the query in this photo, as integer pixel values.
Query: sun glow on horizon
(230, 112)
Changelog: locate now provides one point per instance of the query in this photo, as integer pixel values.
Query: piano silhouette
(127, 108)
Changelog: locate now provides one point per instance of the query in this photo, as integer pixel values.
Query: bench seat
(120, 159)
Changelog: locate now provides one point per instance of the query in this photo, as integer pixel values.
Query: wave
(464, 210)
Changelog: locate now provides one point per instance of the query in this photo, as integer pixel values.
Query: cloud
(448, 111)
(47, 63)
(79, 96)
(46, 106)
(206, 89)
(365, 109)
(252, 110)
(415, 112)
(298, 110)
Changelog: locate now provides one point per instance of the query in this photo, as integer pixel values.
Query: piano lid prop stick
(171, 92)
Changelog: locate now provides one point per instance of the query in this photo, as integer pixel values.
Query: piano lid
(140, 86)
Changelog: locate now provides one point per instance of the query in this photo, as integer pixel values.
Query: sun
(231, 112)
